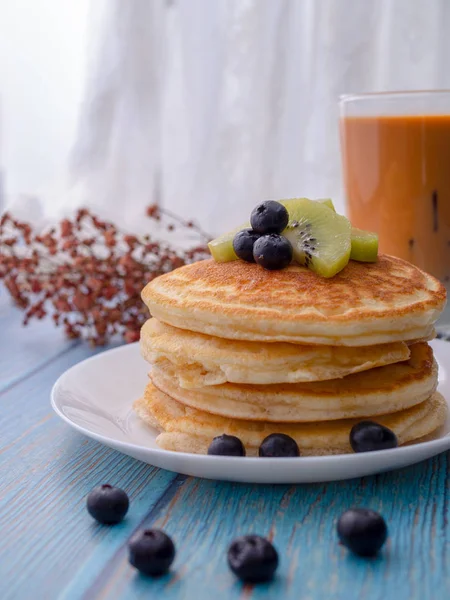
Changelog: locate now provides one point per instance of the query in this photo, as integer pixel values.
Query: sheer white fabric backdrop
(42, 75)
(210, 106)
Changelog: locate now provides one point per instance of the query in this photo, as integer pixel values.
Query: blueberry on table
(243, 243)
(151, 552)
(278, 445)
(253, 559)
(107, 504)
(269, 217)
(367, 436)
(362, 531)
(272, 252)
(226, 445)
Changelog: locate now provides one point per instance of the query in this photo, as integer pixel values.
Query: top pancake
(365, 304)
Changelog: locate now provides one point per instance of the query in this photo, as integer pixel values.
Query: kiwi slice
(319, 236)
(222, 247)
(364, 245)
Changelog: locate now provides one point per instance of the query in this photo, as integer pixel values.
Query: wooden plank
(23, 350)
(46, 470)
(205, 516)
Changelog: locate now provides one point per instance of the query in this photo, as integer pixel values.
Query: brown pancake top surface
(390, 288)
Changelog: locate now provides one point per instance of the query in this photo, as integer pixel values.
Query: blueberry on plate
(278, 445)
(243, 243)
(367, 436)
(362, 531)
(151, 552)
(226, 445)
(269, 217)
(272, 251)
(252, 558)
(107, 504)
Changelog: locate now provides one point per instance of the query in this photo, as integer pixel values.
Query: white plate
(95, 397)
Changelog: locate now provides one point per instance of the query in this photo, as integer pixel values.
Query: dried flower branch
(86, 274)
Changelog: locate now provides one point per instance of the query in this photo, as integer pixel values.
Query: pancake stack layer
(239, 350)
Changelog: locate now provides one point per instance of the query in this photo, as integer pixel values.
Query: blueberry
(368, 435)
(253, 559)
(151, 552)
(226, 445)
(269, 217)
(107, 504)
(278, 444)
(272, 252)
(243, 243)
(362, 531)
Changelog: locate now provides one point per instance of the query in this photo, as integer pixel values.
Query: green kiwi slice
(222, 247)
(364, 245)
(319, 236)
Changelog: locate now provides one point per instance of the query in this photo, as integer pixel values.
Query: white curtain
(43, 58)
(211, 106)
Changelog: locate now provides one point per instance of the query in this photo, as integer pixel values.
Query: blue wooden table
(51, 548)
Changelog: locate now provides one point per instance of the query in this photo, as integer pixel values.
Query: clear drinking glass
(396, 164)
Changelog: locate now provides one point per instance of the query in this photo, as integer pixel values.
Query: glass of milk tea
(396, 166)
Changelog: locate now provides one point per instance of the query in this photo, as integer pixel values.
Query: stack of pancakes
(239, 350)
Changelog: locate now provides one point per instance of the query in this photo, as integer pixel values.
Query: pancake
(378, 391)
(185, 429)
(363, 305)
(205, 360)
